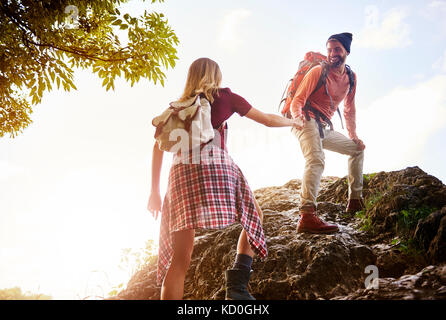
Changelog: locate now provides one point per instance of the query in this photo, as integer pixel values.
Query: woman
(212, 196)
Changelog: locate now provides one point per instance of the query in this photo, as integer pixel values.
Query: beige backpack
(184, 125)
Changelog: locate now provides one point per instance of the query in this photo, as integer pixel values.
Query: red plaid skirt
(211, 194)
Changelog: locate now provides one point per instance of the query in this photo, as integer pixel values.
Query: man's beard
(338, 62)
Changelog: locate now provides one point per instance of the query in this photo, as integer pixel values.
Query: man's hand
(298, 123)
(359, 144)
(154, 205)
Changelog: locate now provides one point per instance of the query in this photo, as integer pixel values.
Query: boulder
(401, 233)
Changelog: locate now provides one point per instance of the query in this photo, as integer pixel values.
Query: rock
(427, 228)
(310, 266)
(429, 283)
(391, 262)
(437, 248)
(142, 286)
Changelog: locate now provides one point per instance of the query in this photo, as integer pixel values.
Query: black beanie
(344, 38)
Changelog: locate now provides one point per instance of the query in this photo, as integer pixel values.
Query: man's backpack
(188, 121)
(311, 60)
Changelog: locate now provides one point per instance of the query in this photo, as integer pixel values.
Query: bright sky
(74, 185)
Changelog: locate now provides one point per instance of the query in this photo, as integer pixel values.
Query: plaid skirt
(209, 192)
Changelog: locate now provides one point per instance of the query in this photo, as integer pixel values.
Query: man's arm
(304, 90)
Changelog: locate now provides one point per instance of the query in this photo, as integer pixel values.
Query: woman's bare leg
(173, 285)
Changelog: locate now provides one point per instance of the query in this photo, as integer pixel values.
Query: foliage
(134, 260)
(366, 221)
(17, 294)
(42, 41)
(408, 218)
(368, 177)
(407, 222)
(408, 246)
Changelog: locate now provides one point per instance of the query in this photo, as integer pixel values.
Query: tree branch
(70, 50)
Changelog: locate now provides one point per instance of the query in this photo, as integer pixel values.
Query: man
(315, 109)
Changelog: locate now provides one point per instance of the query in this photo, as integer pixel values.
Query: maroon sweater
(224, 105)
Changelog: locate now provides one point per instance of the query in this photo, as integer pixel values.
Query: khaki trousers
(312, 149)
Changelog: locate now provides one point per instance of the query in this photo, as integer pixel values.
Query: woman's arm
(155, 202)
(273, 120)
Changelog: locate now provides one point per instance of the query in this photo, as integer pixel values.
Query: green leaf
(149, 44)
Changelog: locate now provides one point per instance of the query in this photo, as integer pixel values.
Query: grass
(366, 221)
(368, 177)
(408, 218)
(407, 222)
(408, 246)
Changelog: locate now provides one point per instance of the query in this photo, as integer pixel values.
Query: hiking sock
(243, 262)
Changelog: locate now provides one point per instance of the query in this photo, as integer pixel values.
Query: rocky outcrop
(431, 235)
(429, 283)
(400, 235)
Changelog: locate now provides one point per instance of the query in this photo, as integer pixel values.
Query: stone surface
(428, 284)
(409, 255)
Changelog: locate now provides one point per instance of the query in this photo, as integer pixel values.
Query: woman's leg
(173, 285)
(237, 278)
(243, 246)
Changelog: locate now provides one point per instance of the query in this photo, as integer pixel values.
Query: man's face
(336, 53)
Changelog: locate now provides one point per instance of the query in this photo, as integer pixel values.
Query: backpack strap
(283, 99)
(223, 138)
(340, 117)
(351, 78)
(317, 117)
(323, 78)
(323, 82)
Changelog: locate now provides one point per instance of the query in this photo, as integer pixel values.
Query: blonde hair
(204, 76)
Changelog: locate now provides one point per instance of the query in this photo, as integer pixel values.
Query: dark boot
(237, 283)
(355, 205)
(309, 222)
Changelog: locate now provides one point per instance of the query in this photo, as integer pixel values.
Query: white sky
(74, 185)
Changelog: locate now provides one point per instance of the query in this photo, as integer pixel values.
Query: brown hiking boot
(355, 205)
(309, 222)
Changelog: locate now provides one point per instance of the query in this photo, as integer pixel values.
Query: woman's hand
(298, 123)
(154, 205)
(273, 120)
